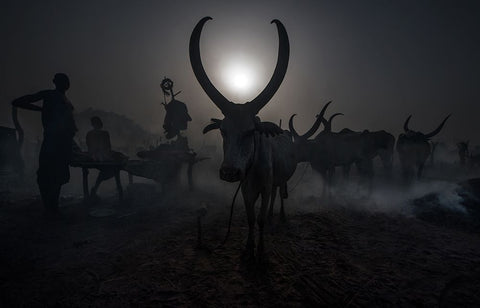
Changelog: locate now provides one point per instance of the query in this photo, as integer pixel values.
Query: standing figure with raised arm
(58, 131)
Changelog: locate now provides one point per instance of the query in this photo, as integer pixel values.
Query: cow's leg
(325, 183)
(119, 184)
(420, 170)
(283, 196)
(272, 202)
(249, 198)
(369, 175)
(346, 171)
(387, 161)
(406, 172)
(283, 217)
(330, 175)
(261, 224)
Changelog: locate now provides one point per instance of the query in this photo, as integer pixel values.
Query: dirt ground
(145, 254)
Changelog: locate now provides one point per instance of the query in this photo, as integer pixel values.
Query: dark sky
(379, 61)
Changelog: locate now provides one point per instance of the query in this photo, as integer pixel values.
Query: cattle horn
(315, 125)
(317, 122)
(196, 61)
(214, 125)
(328, 124)
(282, 63)
(439, 128)
(290, 126)
(405, 125)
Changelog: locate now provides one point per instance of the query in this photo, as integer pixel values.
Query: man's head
(96, 122)
(61, 81)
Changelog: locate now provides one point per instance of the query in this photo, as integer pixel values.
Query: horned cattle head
(303, 145)
(328, 123)
(240, 126)
(419, 136)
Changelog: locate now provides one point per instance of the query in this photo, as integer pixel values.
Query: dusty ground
(146, 255)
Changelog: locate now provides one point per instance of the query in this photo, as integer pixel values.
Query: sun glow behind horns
(239, 77)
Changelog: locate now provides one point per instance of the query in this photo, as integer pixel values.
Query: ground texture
(146, 254)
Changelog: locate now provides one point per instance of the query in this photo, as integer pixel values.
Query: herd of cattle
(262, 156)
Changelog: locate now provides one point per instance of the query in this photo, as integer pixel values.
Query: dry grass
(146, 255)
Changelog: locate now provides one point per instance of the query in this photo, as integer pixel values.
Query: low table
(85, 165)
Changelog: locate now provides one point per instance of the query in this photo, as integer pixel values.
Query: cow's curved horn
(290, 126)
(438, 129)
(282, 63)
(197, 66)
(328, 125)
(317, 122)
(405, 125)
(324, 109)
(313, 129)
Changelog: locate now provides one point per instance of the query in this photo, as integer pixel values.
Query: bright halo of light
(239, 78)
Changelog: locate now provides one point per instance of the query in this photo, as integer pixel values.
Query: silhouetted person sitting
(100, 149)
(58, 131)
(98, 141)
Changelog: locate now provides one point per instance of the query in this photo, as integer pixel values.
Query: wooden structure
(86, 165)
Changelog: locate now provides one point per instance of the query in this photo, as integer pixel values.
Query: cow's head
(416, 136)
(328, 123)
(303, 146)
(240, 125)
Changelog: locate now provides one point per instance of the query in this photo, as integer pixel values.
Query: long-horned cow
(414, 148)
(329, 150)
(309, 150)
(256, 153)
(341, 150)
(375, 144)
(362, 147)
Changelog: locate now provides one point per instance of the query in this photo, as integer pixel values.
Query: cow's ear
(269, 129)
(215, 125)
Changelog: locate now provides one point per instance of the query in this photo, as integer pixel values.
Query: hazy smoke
(385, 196)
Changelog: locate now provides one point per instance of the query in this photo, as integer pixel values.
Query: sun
(239, 77)
(240, 80)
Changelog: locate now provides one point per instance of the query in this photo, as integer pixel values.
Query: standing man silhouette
(58, 131)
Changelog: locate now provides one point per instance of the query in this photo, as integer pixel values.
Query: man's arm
(26, 101)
